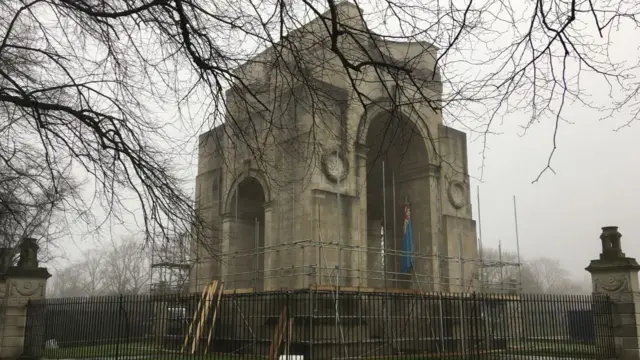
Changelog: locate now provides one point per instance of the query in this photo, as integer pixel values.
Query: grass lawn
(129, 350)
(555, 348)
(141, 350)
(91, 351)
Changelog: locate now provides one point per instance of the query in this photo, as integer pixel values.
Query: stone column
(227, 227)
(363, 230)
(23, 283)
(435, 267)
(269, 256)
(319, 237)
(616, 276)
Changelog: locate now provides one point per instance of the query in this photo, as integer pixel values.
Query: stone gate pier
(19, 284)
(616, 276)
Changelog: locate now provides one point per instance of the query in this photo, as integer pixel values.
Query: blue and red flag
(407, 241)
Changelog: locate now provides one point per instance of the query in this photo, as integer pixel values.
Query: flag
(407, 241)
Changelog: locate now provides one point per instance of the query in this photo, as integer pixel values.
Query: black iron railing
(320, 325)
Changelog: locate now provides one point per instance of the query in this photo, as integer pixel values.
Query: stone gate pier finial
(28, 254)
(5, 259)
(611, 248)
(612, 257)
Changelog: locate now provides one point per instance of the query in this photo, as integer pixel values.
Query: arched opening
(397, 170)
(246, 245)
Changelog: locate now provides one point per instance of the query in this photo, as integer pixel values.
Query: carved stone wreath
(612, 284)
(335, 165)
(27, 288)
(457, 194)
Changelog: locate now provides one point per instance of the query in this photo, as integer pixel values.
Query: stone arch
(228, 201)
(380, 107)
(246, 233)
(405, 160)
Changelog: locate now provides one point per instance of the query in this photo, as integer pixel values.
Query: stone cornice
(434, 170)
(226, 217)
(19, 273)
(322, 193)
(417, 172)
(361, 150)
(625, 264)
(268, 206)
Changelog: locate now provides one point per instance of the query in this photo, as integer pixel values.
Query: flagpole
(501, 265)
(384, 226)
(339, 227)
(480, 249)
(515, 216)
(338, 269)
(395, 233)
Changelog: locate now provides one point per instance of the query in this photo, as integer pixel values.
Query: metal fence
(320, 325)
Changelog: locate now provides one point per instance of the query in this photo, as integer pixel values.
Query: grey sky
(560, 216)
(595, 185)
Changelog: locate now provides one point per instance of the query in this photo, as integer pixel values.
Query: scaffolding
(371, 261)
(345, 266)
(306, 263)
(170, 265)
(407, 301)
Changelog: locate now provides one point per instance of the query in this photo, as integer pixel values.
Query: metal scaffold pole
(237, 196)
(384, 227)
(500, 265)
(255, 266)
(480, 248)
(395, 233)
(338, 269)
(461, 281)
(515, 215)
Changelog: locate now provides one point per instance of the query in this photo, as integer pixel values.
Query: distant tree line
(119, 268)
(537, 275)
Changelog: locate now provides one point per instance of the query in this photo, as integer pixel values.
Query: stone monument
(289, 211)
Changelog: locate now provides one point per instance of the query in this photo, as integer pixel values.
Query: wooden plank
(289, 336)
(199, 323)
(213, 322)
(195, 316)
(203, 316)
(278, 335)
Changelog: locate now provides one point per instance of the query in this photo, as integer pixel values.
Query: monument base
(321, 323)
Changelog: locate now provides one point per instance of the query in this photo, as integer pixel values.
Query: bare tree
(68, 282)
(87, 82)
(120, 268)
(126, 267)
(539, 275)
(34, 203)
(502, 269)
(81, 278)
(171, 262)
(93, 268)
(552, 278)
